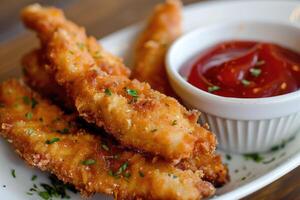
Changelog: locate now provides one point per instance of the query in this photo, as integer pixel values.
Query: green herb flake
(29, 131)
(213, 88)
(34, 177)
(132, 92)
(244, 178)
(105, 147)
(174, 122)
(26, 100)
(44, 195)
(107, 92)
(29, 193)
(228, 157)
(245, 82)
(88, 162)
(29, 115)
(141, 174)
(13, 173)
(33, 103)
(255, 72)
(111, 173)
(127, 175)
(253, 156)
(53, 140)
(123, 167)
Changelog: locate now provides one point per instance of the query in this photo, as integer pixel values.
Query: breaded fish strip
(51, 141)
(135, 114)
(211, 164)
(163, 27)
(35, 75)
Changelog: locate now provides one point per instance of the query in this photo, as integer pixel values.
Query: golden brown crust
(211, 164)
(163, 27)
(139, 178)
(131, 120)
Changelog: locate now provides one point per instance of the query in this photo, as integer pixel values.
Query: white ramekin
(241, 125)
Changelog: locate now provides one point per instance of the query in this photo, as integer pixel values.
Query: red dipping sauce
(246, 69)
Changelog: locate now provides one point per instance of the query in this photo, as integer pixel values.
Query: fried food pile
(136, 142)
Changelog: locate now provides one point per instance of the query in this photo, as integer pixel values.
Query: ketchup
(246, 69)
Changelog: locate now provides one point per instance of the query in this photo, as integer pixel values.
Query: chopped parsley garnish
(29, 115)
(132, 92)
(33, 102)
(121, 171)
(213, 88)
(34, 177)
(88, 162)
(127, 175)
(253, 156)
(63, 131)
(141, 174)
(123, 167)
(105, 147)
(13, 173)
(255, 72)
(282, 145)
(174, 122)
(245, 82)
(228, 157)
(26, 100)
(107, 92)
(244, 178)
(53, 140)
(29, 131)
(29, 193)
(44, 195)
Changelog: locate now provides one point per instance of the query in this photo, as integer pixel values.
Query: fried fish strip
(211, 164)
(135, 114)
(51, 141)
(36, 75)
(163, 27)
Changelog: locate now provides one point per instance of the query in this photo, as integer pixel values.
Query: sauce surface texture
(246, 69)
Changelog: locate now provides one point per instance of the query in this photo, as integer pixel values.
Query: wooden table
(102, 17)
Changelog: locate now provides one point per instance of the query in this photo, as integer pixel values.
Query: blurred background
(85, 12)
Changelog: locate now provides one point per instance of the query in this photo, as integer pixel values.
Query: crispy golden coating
(49, 140)
(35, 75)
(163, 27)
(211, 164)
(135, 114)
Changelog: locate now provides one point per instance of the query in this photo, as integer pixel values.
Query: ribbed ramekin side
(249, 136)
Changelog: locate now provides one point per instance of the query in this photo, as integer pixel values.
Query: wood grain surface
(102, 17)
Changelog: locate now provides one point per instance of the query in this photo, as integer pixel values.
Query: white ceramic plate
(247, 176)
